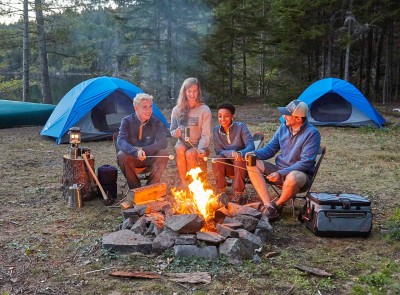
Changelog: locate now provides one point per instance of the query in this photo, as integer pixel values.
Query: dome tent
(97, 106)
(336, 102)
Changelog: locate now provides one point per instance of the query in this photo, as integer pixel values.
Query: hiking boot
(271, 212)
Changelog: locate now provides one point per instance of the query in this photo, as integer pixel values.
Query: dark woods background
(258, 50)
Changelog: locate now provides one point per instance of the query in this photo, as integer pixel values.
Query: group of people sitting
(142, 142)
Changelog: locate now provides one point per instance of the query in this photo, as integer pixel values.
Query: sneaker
(271, 212)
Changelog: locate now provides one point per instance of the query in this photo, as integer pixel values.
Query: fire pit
(195, 222)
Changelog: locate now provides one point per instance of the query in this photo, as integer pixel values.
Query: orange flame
(198, 199)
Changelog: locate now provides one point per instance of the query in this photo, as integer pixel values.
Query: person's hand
(237, 156)
(274, 177)
(141, 155)
(201, 154)
(178, 133)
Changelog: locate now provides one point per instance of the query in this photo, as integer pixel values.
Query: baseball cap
(296, 108)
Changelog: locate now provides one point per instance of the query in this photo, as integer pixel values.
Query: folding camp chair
(277, 188)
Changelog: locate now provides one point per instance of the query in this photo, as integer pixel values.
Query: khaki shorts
(270, 168)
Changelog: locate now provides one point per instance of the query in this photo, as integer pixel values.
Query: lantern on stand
(74, 151)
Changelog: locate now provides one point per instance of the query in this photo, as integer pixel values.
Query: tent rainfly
(336, 102)
(97, 106)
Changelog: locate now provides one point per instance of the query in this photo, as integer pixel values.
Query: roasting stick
(215, 161)
(171, 157)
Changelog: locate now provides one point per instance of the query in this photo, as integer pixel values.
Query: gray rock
(210, 237)
(127, 223)
(234, 250)
(264, 229)
(245, 210)
(220, 215)
(185, 223)
(131, 213)
(256, 259)
(249, 240)
(139, 209)
(255, 205)
(140, 226)
(232, 223)
(164, 241)
(126, 241)
(209, 252)
(249, 222)
(226, 231)
(186, 240)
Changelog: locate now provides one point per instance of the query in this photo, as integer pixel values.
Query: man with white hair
(294, 167)
(142, 134)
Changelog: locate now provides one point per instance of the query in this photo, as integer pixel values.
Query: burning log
(149, 193)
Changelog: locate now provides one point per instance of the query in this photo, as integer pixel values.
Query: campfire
(194, 222)
(198, 199)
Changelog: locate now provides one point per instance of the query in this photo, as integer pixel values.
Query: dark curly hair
(228, 106)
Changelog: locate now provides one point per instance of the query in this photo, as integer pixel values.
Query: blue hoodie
(298, 152)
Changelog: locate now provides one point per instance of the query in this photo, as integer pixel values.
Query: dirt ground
(48, 248)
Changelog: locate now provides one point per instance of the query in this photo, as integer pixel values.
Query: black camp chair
(302, 195)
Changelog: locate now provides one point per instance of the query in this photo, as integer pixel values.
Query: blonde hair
(182, 103)
(141, 96)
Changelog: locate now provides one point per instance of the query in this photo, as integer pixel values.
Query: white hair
(141, 96)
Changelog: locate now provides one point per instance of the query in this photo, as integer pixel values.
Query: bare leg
(294, 181)
(180, 150)
(259, 182)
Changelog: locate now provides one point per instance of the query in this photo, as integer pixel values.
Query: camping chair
(320, 155)
(143, 172)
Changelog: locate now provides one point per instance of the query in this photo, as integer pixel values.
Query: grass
(48, 248)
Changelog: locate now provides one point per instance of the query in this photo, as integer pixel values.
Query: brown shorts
(270, 168)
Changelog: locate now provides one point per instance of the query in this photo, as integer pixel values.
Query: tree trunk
(44, 68)
(76, 171)
(368, 64)
(25, 55)
(347, 59)
(244, 68)
(361, 67)
(397, 80)
(378, 65)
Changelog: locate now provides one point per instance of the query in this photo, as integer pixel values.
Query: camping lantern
(74, 139)
(74, 135)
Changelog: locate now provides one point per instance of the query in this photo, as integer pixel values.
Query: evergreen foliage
(267, 50)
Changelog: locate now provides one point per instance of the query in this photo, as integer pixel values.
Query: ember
(198, 199)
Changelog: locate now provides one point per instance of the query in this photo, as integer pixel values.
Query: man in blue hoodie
(142, 134)
(294, 167)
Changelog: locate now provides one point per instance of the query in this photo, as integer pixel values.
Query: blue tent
(97, 106)
(337, 102)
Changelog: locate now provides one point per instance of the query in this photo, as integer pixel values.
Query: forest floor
(48, 248)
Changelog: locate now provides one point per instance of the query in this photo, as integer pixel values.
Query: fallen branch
(85, 273)
(134, 274)
(312, 270)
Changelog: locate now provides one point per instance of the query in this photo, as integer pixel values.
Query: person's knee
(122, 157)
(180, 149)
(191, 154)
(295, 179)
